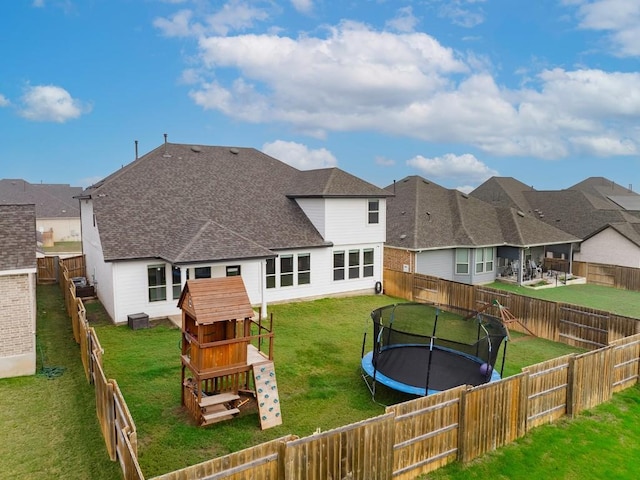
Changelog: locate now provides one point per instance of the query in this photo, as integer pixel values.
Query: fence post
(523, 414)
(571, 390)
(462, 445)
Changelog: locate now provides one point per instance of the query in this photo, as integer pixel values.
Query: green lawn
(318, 348)
(64, 247)
(622, 302)
(53, 430)
(49, 428)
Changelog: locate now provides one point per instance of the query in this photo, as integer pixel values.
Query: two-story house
(191, 211)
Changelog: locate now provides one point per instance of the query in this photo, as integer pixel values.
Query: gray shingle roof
(17, 237)
(430, 217)
(579, 210)
(51, 200)
(201, 203)
(332, 182)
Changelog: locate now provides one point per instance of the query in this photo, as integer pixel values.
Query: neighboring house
(613, 244)
(17, 290)
(183, 212)
(604, 214)
(57, 212)
(446, 233)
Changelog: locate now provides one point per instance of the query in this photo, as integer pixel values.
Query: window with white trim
(271, 273)
(338, 265)
(354, 263)
(367, 262)
(462, 261)
(304, 269)
(202, 272)
(233, 270)
(484, 260)
(373, 211)
(176, 281)
(286, 270)
(157, 277)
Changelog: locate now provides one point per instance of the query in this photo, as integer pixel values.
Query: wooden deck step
(218, 399)
(218, 416)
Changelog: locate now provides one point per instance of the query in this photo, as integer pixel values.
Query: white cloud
(303, 6)
(299, 156)
(4, 101)
(38, 3)
(404, 21)
(49, 103)
(619, 17)
(179, 25)
(351, 77)
(464, 167)
(464, 13)
(385, 162)
(235, 15)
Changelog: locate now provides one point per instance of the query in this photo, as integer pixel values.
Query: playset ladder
(264, 377)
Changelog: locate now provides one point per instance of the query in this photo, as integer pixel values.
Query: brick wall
(16, 315)
(395, 259)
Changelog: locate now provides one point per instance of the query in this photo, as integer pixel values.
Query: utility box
(137, 321)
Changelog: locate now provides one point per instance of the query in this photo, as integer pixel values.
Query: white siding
(611, 248)
(438, 263)
(322, 283)
(347, 221)
(314, 209)
(99, 273)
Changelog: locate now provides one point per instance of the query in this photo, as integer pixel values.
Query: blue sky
(546, 91)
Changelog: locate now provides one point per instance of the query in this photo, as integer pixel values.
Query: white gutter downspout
(263, 297)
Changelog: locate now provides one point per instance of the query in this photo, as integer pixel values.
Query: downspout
(263, 298)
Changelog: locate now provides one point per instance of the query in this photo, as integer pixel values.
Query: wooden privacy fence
(574, 325)
(627, 278)
(411, 438)
(49, 268)
(116, 423)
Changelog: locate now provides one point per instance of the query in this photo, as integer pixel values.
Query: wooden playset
(224, 364)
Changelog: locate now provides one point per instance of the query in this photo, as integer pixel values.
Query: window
(233, 270)
(488, 259)
(271, 273)
(374, 211)
(479, 260)
(286, 270)
(354, 263)
(157, 283)
(304, 269)
(338, 265)
(177, 285)
(367, 262)
(462, 260)
(484, 260)
(202, 272)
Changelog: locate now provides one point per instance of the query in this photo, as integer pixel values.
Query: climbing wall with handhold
(264, 377)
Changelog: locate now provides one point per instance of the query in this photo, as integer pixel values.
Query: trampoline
(422, 349)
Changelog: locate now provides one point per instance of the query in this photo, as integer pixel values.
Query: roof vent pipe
(136, 143)
(166, 153)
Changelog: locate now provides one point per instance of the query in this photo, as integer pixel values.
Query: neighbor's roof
(630, 231)
(190, 204)
(17, 237)
(52, 200)
(579, 210)
(216, 299)
(424, 215)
